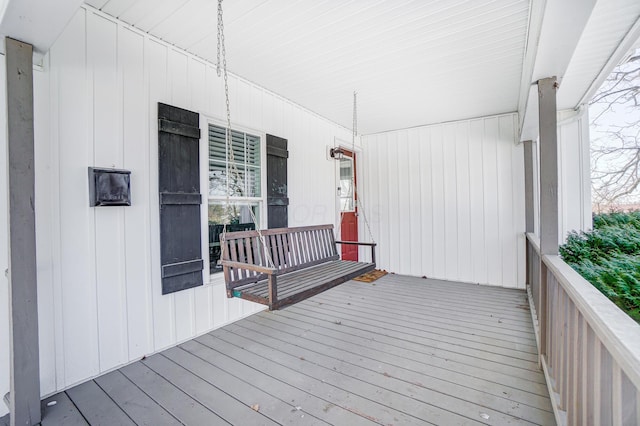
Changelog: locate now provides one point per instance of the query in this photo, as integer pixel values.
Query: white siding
(4, 250)
(447, 201)
(574, 174)
(98, 268)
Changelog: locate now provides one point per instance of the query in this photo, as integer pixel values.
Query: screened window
(234, 186)
(238, 176)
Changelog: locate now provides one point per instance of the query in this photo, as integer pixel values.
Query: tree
(615, 140)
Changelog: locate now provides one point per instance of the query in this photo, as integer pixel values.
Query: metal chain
(231, 163)
(353, 147)
(220, 37)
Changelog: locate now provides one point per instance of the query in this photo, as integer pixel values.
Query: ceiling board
(413, 62)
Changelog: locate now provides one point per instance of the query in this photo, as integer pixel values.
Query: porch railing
(589, 349)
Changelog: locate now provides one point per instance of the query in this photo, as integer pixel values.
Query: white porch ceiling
(412, 62)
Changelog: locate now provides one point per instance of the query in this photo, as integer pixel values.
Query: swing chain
(358, 201)
(231, 163)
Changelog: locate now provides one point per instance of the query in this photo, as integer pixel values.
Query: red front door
(348, 207)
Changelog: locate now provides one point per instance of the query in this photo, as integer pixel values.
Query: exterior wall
(447, 201)
(4, 250)
(99, 281)
(574, 174)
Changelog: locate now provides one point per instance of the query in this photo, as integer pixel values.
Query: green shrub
(609, 258)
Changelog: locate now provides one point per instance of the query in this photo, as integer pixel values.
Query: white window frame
(205, 121)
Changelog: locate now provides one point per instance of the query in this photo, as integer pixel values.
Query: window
(347, 193)
(234, 186)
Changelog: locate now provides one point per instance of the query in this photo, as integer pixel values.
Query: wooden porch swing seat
(305, 262)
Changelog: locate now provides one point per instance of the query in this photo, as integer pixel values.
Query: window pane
(253, 150)
(234, 170)
(253, 182)
(237, 217)
(217, 144)
(346, 185)
(217, 179)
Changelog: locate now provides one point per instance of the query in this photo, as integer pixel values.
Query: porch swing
(279, 267)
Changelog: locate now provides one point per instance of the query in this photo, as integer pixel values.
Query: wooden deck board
(445, 348)
(276, 409)
(397, 351)
(416, 352)
(63, 412)
(338, 387)
(437, 309)
(170, 397)
(216, 400)
(133, 401)
(505, 342)
(96, 406)
(261, 375)
(417, 372)
(453, 398)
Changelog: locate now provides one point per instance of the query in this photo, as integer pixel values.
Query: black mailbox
(109, 187)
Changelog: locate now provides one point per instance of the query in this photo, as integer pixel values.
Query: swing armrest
(249, 266)
(358, 243)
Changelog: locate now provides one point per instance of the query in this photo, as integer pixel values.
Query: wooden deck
(399, 351)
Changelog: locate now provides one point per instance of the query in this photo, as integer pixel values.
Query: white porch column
(547, 116)
(24, 397)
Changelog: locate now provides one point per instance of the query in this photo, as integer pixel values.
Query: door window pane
(347, 193)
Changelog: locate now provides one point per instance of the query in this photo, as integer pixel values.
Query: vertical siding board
(383, 190)
(491, 210)
(518, 206)
(156, 72)
(364, 188)
(439, 212)
(450, 202)
(508, 236)
(415, 244)
(404, 204)
(44, 188)
(393, 205)
(178, 65)
(57, 301)
(463, 201)
(102, 48)
(136, 217)
(426, 202)
(476, 208)
(197, 85)
(77, 285)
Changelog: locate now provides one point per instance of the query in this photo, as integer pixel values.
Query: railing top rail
(616, 330)
(534, 240)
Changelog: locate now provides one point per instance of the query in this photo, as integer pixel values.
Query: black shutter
(277, 200)
(180, 199)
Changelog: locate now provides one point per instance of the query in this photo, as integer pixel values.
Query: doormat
(370, 277)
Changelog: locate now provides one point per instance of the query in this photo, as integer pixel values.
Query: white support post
(548, 122)
(24, 396)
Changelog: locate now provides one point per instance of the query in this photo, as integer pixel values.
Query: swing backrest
(290, 249)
